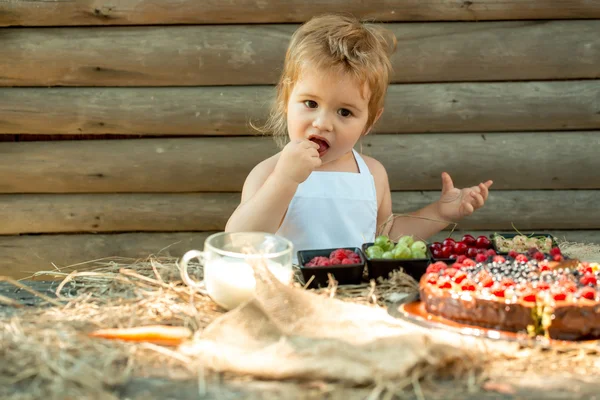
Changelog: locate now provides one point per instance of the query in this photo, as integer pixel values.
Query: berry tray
(512, 235)
(347, 274)
(414, 267)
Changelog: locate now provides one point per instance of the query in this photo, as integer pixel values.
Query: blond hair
(335, 43)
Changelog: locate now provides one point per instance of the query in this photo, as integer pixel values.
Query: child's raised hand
(457, 203)
(297, 160)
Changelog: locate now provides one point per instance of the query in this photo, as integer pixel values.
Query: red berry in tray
(449, 242)
(435, 245)
(469, 240)
(460, 248)
(471, 252)
(539, 256)
(483, 242)
(447, 251)
(513, 254)
(555, 251)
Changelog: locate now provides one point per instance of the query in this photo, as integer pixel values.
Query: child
(317, 191)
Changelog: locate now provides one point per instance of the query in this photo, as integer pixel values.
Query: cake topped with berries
(535, 293)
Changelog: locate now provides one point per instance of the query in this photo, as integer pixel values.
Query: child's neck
(346, 163)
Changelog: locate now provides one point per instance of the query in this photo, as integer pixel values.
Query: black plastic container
(348, 274)
(380, 267)
(513, 234)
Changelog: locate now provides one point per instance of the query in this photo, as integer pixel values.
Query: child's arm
(454, 204)
(270, 187)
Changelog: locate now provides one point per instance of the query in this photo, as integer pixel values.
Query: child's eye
(344, 112)
(310, 103)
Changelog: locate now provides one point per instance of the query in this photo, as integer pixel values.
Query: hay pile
(45, 351)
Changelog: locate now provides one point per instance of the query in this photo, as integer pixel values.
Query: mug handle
(183, 266)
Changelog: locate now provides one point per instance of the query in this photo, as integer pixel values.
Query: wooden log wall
(125, 125)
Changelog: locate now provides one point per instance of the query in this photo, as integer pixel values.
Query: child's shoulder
(375, 167)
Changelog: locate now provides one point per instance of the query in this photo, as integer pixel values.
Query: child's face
(330, 109)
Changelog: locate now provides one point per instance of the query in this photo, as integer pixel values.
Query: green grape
(388, 255)
(402, 252)
(418, 254)
(374, 252)
(384, 242)
(406, 240)
(419, 246)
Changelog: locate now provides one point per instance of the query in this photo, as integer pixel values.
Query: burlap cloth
(286, 332)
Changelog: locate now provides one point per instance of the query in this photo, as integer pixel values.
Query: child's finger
(478, 199)
(483, 189)
(467, 209)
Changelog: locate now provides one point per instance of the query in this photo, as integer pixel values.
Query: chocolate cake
(558, 299)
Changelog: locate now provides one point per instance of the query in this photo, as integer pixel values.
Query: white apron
(332, 210)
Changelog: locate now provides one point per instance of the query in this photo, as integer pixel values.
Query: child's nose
(323, 122)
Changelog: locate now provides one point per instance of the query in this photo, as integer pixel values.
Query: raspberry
(480, 258)
(468, 285)
(521, 258)
(349, 252)
(588, 279)
(436, 266)
(539, 256)
(348, 261)
(588, 293)
(560, 296)
(445, 285)
(529, 296)
(339, 254)
(499, 259)
(555, 251)
(487, 282)
(498, 291)
(336, 260)
(469, 263)
(513, 254)
(461, 258)
(490, 252)
(459, 277)
(557, 257)
(318, 262)
(543, 266)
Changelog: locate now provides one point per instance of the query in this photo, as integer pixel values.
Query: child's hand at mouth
(297, 160)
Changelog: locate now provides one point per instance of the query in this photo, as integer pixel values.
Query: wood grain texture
(518, 160)
(225, 111)
(565, 209)
(253, 54)
(142, 12)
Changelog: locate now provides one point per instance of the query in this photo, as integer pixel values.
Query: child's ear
(374, 121)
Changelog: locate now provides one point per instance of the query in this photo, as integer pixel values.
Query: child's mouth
(323, 145)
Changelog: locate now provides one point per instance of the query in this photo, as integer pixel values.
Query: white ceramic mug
(228, 276)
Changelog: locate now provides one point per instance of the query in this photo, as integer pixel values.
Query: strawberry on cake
(558, 299)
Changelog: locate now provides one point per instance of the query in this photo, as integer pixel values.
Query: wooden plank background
(154, 117)
(409, 108)
(536, 160)
(253, 54)
(153, 12)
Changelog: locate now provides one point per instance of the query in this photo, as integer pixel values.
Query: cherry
(435, 245)
(483, 242)
(471, 252)
(437, 253)
(460, 248)
(447, 251)
(449, 242)
(469, 240)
